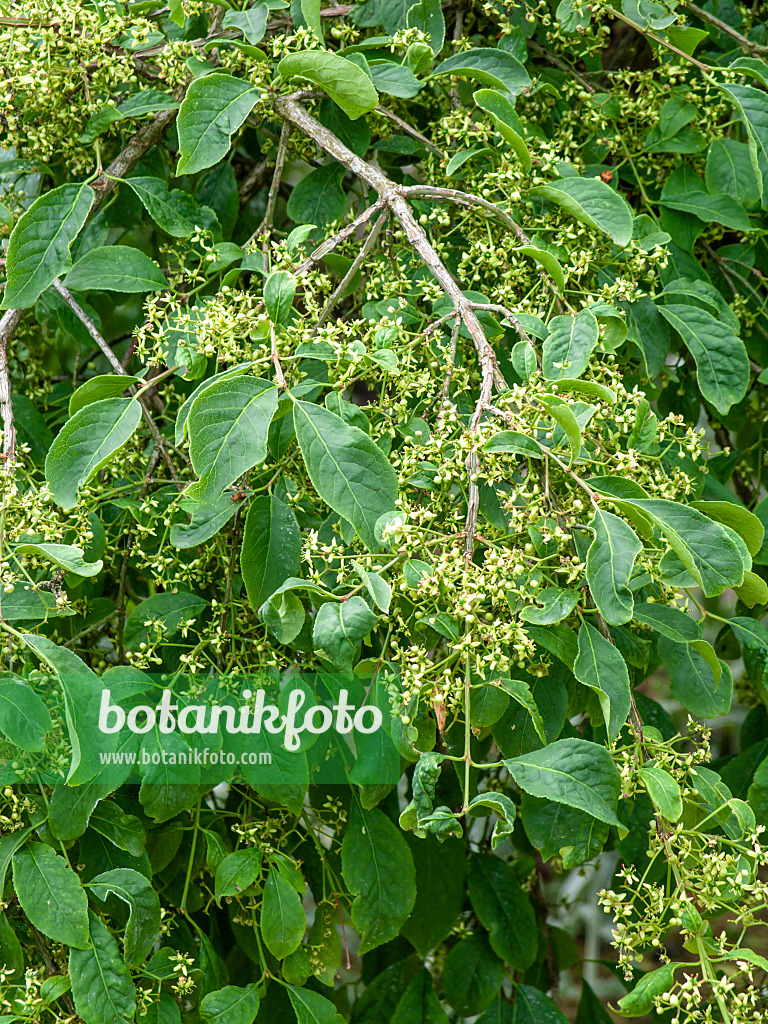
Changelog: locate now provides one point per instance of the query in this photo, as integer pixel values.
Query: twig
(8, 325)
(276, 359)
(118, 367)
(412, 131)
(369, 243)
(451, 359)
(561, 64)
(265, 228)
(657, 39)
(453, 195)
(146, 137)
(721, 26)
(331, 243)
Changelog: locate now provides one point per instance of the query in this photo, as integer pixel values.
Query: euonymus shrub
(421, 347)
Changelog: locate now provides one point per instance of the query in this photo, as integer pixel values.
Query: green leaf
(122, 830)
(600, 667)
(310, 10)
(236, 872)
(228, 428)
(212, 110)
(573, 772)
(557, 604)
(108, 385)
(279, 290)
(376, 586)
(520, 692)
(50, 895)
(472, 975)
(704, 547)
(562, 414)
(176, 212)
(419, 1003)
(271, 549)
(339, 629)
(312, 1008)
(284, 615)
(569, 346)
(71, 807)
(347, 469)
(663, 791)
(183, 414)
(346, 83)
(610, 561)
(729, 171)
(66, 556)
(207, 519)
(534, 1007)
(378, 870)
(24, 718)
(144, 919)
(548, 261)
(722, 364)
(694, 682)
(669, 622)
(86, 443)
(488, 66)
(231, 1005)
(38, 249)
(116, 268)
(717, 209)
(394, 79)
(745, 523)
(101, 983)
(594, 203)
(504, 909)
(752, 106)
(252, 23)
(514, 443)
(508, 124)
(169, 609)
(440, 892)
(558, 830)
(283, 921)
(640, 1001)
(318, 198)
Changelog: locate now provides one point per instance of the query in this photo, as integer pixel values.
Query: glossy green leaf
(252, 22)
(472, 975)
(562, 413)
(279, 290)
(66, 556)
(594, 203)
(610, 561)
(71, 807)
(669, 622)
(236, 872)
(504, 909)
(228, 426)
(488, 66)
(38, 249)
(24, 718)
(144, 919)
(573, 772)
(378, 870)
(212, 110)
(115, 268)
(722, 365)
(108, 385)
(86, 443)
(170, 610)
(283, 921)
(664, 791)
(569, 345)
(509, 126)
(231, 1005)
(339, 629)
(312, 1008)
(102, 988)
(600, 667)
(176, 212)
(346, 83)
(50, 895)
(271, 548)
(347, 469)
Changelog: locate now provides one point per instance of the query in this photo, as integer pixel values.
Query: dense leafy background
(423, 346)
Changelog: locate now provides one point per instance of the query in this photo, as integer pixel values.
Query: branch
(744, 43)
(146, 137)
(265, 228)
(330, 243)
(8, 325)
(412, 131)
(117, 366)
(253, 181)
(358, 261)
(657, 39)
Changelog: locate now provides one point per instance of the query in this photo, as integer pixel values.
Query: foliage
(421, 346)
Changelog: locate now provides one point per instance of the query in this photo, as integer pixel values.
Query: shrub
(406, 355)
